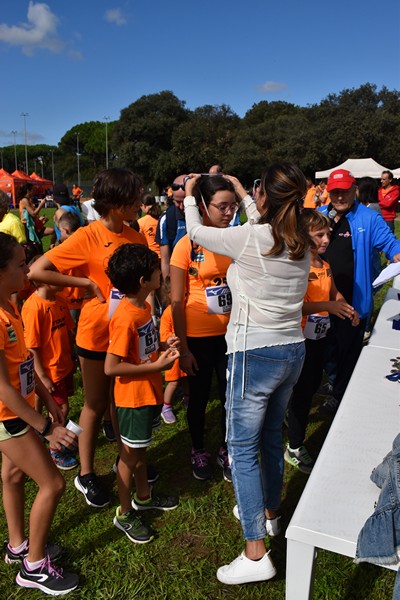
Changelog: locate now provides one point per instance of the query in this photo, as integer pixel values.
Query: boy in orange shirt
(47, 329)
(134, 361)
(321, 299)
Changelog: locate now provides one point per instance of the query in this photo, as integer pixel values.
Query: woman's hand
(92, 290)
(188, 363)
(191, 183)
(239, 189)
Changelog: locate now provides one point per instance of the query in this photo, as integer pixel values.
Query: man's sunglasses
(177, 186)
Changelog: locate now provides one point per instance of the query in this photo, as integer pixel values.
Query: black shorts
(91, 354)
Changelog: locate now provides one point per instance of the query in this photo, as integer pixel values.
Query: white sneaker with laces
(244, 570)
(272, 526)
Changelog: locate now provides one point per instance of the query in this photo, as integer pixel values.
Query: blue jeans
(260, 383)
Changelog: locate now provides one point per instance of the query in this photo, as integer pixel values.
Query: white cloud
(40, 30)
(114, 15)
(270, 87)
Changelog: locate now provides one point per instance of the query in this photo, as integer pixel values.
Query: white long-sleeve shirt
(267, 291)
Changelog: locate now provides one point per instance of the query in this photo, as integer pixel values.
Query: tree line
(158, 137)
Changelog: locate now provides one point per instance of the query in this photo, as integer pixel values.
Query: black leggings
(210, 354)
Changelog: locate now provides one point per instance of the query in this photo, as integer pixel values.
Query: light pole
(106, 120)
(40, 159)
(24, 115)
(52, 165)
(77, 159)
(14, 132)
(1, 150)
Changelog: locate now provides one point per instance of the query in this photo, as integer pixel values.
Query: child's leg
(13, 480)
(30, 456)
(170, 391)
(96, 388)
(132, 460)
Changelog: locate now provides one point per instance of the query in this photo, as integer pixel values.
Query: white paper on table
(388, 273)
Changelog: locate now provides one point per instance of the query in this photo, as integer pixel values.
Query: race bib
(115, 298)
(316, 327)
(148, 340)
(219, 299)
(27, 377)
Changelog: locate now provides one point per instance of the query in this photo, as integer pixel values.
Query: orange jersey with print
(208, 299)
(16, 355)
(148, 226)
(134, 338)
(46, 326)
(319, 287)
(88, 250)
(309, 198)
(166, 330)
(73, 296)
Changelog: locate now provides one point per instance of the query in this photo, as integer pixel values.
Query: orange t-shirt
(148, 226)
(73, 296)
(88, 250)
(309, 198)
(46, 326)
(208, 299)
(18, 359)
(134, 338)
(166, 330)
(319, 287)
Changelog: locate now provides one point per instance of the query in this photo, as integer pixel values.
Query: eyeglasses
(225, 208)
(177, 186)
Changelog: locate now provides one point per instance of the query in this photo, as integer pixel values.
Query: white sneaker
(272, 526)
(244, 570)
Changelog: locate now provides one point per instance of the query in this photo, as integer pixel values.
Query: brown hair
(115, 188)
(155, 209)
(284, 187)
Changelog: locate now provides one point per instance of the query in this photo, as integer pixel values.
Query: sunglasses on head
(177, 186)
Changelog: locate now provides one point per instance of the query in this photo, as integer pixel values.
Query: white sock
(19, 548)
(34, 565)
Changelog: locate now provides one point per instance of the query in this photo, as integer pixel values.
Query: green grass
(192, 541)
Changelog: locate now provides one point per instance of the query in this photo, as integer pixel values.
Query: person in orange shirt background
(77, 193)
(48, 328)
(388, 196)
(117, 193)
(309, 199)
(148, 223)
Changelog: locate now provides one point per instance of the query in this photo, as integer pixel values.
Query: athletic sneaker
(223, 462)
(11, 557)
(133, 527)
(299, 458)
(152, 474)
(325, 389)
(330, 406)
(48, 578)
(108, 431)
(65, 461)
(244, 570)
(167, 414)
(200, 462)
(95, 494)
(272, 526)
(155, 502)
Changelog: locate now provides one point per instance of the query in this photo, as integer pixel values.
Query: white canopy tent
(396, 173)
(358, 167)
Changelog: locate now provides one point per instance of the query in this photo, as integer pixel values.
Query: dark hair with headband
(208, 185)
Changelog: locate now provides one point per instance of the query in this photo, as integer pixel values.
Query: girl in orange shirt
(117, 194)
(23, 454)
(148, 223)
(201, 303)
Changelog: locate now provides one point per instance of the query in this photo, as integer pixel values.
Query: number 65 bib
(316, 327)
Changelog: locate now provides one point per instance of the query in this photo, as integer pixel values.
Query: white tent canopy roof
(358, 167)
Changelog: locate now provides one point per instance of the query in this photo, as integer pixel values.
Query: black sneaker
(95, 494)
(223, 462)
(108, 431)
(48, 578)
(152, 474)
(330, 406)
(12, 558)
(299, 458)
(133, 527)
(200, 463)
(156, 502)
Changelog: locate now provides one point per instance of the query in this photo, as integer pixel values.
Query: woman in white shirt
(268, 280)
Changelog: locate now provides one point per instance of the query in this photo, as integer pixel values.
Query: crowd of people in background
(265, 291)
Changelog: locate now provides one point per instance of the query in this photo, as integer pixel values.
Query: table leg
(300, 560)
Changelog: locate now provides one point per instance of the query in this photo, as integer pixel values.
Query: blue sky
(66, 62)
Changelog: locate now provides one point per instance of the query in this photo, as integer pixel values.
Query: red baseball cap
(340, 179)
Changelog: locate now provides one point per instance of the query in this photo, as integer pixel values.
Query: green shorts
(12, 428)
(136, 424)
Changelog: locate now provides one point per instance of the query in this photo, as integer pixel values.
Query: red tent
(40, 183)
